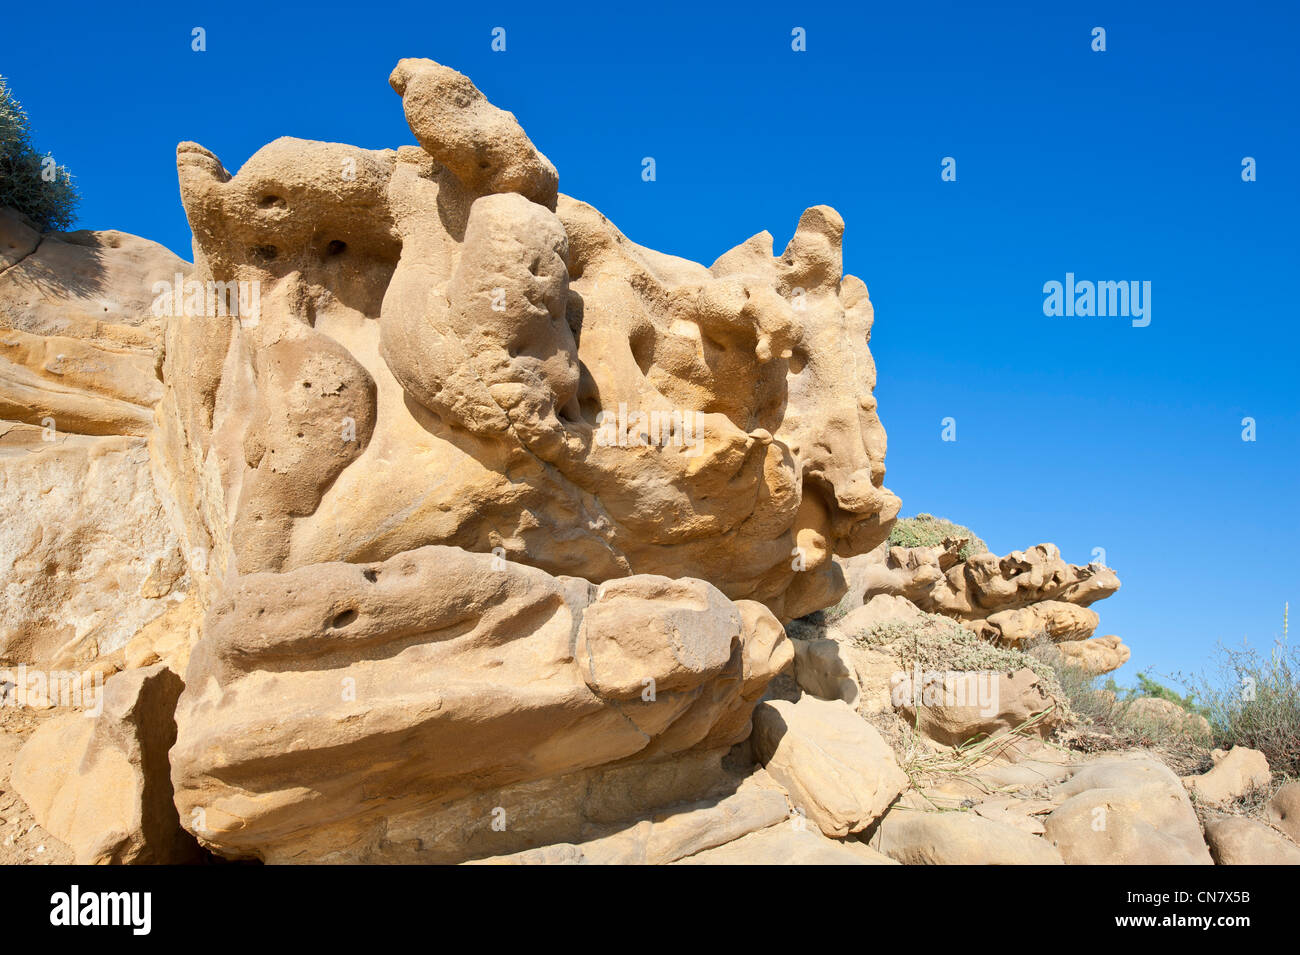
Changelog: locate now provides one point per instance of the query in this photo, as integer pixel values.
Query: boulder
(835, 766)
(823, 667)
(100, 782)
(956, 708)
(1126, 811)
(882, 610)
(1236, 772)
(1235, 840)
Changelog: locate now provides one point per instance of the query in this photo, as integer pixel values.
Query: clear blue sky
(1117, 165)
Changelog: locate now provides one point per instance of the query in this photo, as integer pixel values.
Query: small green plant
(926, 530)
(30, 183)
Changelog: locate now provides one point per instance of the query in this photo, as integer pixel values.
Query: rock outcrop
(1026, 596)
(887, 656)
(346, 711)
(87, 552)
(418, 474)
(429, 519)
(589, 407)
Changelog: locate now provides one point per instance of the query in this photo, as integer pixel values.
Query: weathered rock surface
(1025, 596)
(837, 769)
(670, 835)
(960, 707)
(86, 554)
(331, 706)
(100, 782)
(78, 331)
(18, 238)
(418, 475)
(86, 549)
(1022, 813)
(958, 838)
(1284, 810)
(590, 407)
(1235, 773)
(787, 845)
(1126, 811)
(1234, 840)
(1096, 656)
(360, 470)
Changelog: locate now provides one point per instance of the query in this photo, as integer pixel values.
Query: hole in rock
(343, 619)
(336, 247)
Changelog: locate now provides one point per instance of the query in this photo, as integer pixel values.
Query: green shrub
(926, 530)
(41, 190)
(1253, 700)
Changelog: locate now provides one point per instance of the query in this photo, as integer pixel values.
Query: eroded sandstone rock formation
(459, 462)
(425, 465)
(471, 526)
(350, 712)
(447, 352)
(1013, 600)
